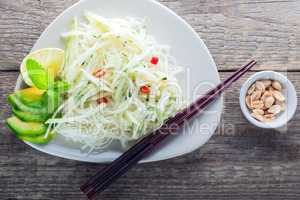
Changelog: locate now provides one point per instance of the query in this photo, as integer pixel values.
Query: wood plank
(234, 30)
(252, 164)
(246, 170)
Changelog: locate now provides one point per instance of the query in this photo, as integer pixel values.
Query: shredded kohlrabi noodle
(123, 51)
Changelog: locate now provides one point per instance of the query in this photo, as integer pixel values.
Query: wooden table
(239, 162)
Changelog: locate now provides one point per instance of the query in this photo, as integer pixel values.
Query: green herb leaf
(40, 77)
(61, 86)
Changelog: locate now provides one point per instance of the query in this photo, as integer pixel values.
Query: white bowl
(288, 90)
(186, 46)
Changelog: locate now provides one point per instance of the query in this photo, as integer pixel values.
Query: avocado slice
(30, 95)
(18, 104)
(29, 117)
(26, 129)
(39, 139)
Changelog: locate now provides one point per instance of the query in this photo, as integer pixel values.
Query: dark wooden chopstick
(122, 164)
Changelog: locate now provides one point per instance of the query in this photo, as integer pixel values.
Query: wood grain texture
(234, 30)
(240, 162)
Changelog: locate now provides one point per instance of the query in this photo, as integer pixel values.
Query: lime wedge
(50, 58)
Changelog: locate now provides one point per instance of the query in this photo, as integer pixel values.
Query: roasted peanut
(265, 100)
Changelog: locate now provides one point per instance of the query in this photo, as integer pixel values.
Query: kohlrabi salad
(112, 82)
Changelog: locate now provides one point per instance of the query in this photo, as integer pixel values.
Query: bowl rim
(264, 75)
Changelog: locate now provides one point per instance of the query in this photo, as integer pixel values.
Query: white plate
(189, 50)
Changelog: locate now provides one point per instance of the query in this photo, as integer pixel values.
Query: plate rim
(145, 160)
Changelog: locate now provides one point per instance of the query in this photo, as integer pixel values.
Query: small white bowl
(288, 90)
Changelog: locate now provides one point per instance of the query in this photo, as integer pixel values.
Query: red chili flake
(145, 89)
(102, 100)
(99, 73)
(154, 60)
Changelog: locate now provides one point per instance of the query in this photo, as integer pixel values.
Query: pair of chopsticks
(121, 165)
